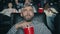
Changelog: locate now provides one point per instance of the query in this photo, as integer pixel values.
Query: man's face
(47, 5)
(27, 13)
(16, 0)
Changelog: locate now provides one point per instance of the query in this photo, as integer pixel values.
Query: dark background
(7, 22)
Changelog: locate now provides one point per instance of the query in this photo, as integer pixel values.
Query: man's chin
(28, 20)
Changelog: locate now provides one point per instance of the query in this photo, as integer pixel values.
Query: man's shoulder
(5, 9)
(19, 22)
(38, 23)
(41, 24)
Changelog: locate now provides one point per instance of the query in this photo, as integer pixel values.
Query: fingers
(25, 25)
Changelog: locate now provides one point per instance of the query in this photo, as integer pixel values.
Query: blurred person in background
(28, 2)
(27, 13)
(50, 15)
(18, 5)
(9, 10)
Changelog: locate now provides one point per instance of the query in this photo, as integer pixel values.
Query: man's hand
(51, 11)
(22, 25)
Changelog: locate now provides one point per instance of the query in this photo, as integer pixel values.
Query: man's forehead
(27, 8)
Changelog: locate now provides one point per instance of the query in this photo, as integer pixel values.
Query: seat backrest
(15, 18)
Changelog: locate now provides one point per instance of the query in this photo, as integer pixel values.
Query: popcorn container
(40, 10)
(29, 30)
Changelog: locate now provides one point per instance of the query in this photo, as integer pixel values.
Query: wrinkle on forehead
(27, 7)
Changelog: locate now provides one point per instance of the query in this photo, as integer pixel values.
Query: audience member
(50, 15)
(18, 5)
(9, 10)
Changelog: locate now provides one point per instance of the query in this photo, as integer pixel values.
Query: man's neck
(28, 22)
(17, 3)
(10, 8)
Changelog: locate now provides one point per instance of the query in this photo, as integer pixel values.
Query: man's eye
(24, 10)
(31, 10)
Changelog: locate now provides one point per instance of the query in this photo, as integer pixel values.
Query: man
(18, 5)
(27, 13)
(28, 2)
(9, 10)
(50, 15)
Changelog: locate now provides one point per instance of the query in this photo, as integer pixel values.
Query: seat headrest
(37, 17)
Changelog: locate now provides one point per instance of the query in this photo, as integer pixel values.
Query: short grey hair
(26, 5)
(34, 9)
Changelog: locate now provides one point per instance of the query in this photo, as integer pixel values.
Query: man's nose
(28, 12)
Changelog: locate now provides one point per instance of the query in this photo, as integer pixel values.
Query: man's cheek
(24, 14)
(31, 14)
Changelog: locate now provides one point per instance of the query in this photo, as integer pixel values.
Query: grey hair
(26, 5)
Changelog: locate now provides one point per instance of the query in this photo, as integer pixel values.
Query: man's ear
(21, 14)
